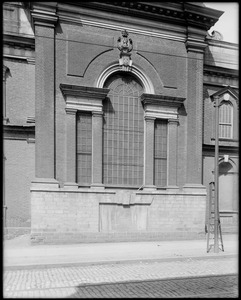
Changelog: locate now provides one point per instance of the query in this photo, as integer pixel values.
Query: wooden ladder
(211, 219)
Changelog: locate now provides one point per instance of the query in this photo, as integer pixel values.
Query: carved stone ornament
(125, 46)
(216, 35)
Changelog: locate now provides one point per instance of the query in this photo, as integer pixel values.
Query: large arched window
(226, 120)
(123, 131)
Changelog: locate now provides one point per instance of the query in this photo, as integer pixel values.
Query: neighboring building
(18, 117)
(109, 120)
(221, 78)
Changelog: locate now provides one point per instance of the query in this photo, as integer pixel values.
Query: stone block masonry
(60, 216)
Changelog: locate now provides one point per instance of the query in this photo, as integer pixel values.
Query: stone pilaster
(194, 104)
(44, 25)
(149, 153)
(71, 148)
(172, 154)
(97, 122)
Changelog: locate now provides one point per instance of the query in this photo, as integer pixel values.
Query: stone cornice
(222, 44)
(19, 40)
(169, 11)
(200, 16)
(218, 71)
(24, 132)
(234, 148)
(83, 91)
(161, 100)
(168, 19)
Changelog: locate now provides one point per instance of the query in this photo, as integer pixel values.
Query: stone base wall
(13, 232)
(229, 222)
(78, 216)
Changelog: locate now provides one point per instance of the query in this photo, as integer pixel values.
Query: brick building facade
(118, 100)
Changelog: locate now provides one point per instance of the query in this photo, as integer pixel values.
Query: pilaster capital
(97, 114)
(193, 45)
(44, 18)
(70, 111)
(173, 122)
(149, 118)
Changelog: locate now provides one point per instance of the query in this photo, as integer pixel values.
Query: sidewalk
(19, 254)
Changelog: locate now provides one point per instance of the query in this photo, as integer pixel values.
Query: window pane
(123, 132)
(225, 120)
(84, 147)
(160, 153)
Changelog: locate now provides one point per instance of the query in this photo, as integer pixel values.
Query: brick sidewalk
(19, 253)
(61, 281)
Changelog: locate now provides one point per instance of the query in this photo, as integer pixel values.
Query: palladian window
(123, 132)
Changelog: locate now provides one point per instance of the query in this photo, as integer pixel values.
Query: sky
(228, 23)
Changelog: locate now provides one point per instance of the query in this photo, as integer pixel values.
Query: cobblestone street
(200, 287)
(91, 280)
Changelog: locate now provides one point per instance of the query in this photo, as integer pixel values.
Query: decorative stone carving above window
(125, 46)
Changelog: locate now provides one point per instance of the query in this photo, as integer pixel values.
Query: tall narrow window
(123, 126)
(84, 147)
(160, 153)
(226, 120)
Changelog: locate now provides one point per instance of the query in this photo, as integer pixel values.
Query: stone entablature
(19, 47)
(222, 54)
(183, 12)
(160, 106)
(83, 98)
(220, 76)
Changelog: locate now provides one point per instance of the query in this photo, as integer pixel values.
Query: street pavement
(45, 271)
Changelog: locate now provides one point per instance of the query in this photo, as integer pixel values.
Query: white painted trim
(81, 106)
(147, 84)
(161, 114)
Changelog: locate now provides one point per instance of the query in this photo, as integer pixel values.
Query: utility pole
(216, 173)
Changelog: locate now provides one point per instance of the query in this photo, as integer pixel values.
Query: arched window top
(227, 103)
(135, 72)
(125, 84)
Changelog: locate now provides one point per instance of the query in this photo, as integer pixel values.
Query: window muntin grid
(226, 120)
(160, 153)
(123, 132)
(84, 147)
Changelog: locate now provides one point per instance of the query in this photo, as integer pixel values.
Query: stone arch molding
(147, 84)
